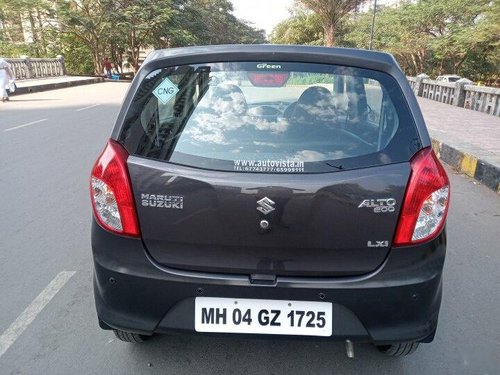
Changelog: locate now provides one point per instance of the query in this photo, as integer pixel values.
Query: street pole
(373, 23)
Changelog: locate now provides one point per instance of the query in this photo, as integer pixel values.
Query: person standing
(107, 67)
(6, 76)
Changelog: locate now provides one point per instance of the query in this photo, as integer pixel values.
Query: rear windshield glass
(272, 117)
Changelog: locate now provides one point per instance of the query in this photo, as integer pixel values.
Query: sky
(263, 14)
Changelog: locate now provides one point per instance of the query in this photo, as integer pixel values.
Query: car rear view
(270, 190)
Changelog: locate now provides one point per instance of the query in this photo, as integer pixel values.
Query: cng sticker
(165, 91)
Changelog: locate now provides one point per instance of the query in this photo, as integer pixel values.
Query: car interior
(352, 116)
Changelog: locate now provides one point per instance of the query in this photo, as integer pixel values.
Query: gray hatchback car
(270, 190)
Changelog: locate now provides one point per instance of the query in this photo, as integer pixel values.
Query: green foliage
(142, 23)
(86, 31)
(331, 15)
(16, 13)
(14, 49)
(435, 37)
(212, 22)
(77, 56)
(88, 21)
(426, 36)
(302, 28)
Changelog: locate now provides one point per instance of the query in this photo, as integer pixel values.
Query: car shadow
(189, 354)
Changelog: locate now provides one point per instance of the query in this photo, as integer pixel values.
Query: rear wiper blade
(339, 167)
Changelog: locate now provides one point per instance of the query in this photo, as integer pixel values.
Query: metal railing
(460, 94)
(28, 68)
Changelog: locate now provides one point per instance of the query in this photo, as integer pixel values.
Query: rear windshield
(272, 117)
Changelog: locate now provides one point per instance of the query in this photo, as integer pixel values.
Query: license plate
(262, 316)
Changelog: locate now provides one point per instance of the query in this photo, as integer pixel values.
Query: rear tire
(399, 349)
(129, 336)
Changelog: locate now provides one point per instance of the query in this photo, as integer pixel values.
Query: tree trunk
(421, 60)
(97, 59)
(41, 30)
(415, 64)
(457, 65)
(34, 34)
(135, 58)
(97, 64)
(329, 37)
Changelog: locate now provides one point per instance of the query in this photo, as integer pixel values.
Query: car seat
(228, 98)
(315, 105)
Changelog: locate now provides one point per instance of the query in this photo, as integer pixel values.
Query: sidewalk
(467, 140)
(27, 86)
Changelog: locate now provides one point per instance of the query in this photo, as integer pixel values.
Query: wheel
(399, 349)
(129, 336)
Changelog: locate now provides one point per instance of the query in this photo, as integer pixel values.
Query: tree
(212, 22)
(24, 22)
(435, 37)
(451, 26)
(301, 28)
(89, 21)
(76, 55)
(142, 23)
(330, 13)
(396, 31)
(88, 30)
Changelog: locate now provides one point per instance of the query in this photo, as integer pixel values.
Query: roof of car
(267, 48)
(234, 52)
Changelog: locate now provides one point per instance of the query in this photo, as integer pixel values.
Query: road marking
(84, 108)
(27, 124)
(10, 335)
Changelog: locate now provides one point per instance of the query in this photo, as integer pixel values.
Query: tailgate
(325, 224)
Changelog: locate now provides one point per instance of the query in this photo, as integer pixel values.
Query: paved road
(44, 231)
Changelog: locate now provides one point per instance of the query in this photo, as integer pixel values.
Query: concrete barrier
(478, 98)
(28, 68)
(480, 170)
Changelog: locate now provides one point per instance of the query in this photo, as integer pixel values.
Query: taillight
(111, 192)
(426, 201)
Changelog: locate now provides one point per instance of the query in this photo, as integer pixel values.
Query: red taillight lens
(111, 192)
(259, 79)
(426, 201)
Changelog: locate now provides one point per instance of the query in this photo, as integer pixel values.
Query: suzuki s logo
(265, 205)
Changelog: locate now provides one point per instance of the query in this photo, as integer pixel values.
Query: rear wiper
(339, 167)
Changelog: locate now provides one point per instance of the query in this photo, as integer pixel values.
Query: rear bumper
(398, 302)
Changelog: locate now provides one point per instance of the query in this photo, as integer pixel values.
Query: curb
(484, 172)
(58, 85)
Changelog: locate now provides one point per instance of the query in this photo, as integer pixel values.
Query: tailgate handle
(262, 279)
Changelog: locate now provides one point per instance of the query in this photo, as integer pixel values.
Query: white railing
(412, 81)
(439, 91)
(482, 99)
(460, 94)
(28, 68)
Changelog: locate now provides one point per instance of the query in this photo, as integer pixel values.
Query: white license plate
(263, 316)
